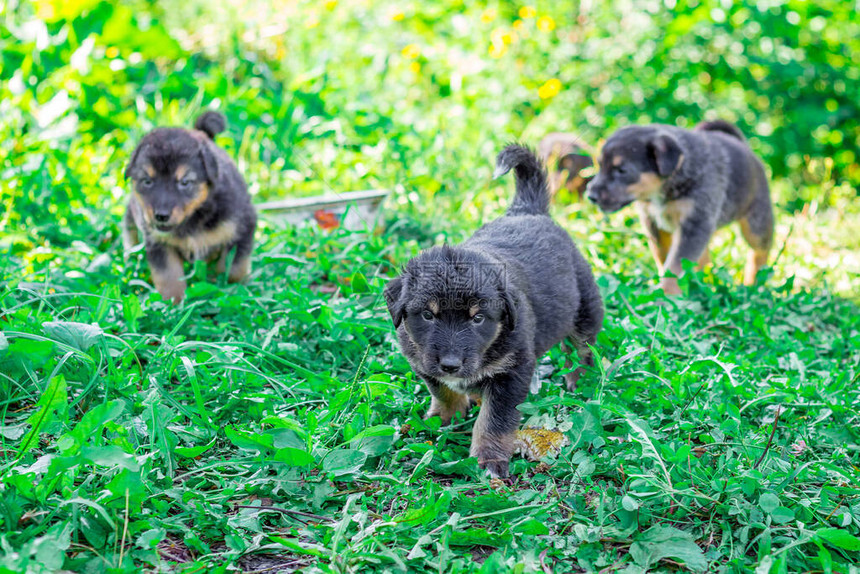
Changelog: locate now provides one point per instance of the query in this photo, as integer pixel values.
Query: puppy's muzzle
(450, 364)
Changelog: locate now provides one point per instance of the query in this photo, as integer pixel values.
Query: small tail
(211, 123)
(532, 195)
(721, 126)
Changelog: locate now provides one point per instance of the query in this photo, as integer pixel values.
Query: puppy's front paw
(495, 468)
(436, 412)
(670, 286)
(573, 377)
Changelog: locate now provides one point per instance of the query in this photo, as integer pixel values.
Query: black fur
(207, 211)
(211, 123)
(531, 288)
(688, 183)
(721, 126)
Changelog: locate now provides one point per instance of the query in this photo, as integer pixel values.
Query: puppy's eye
(185, 184)
(427, 315)
(145, 182)
(620, 169)
(478, 319)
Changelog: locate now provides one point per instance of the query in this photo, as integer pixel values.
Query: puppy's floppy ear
(130, 165)
(210, 162)
(666, 153)
(395, 298)
(510, 318)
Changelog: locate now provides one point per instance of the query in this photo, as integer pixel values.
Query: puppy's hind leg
(589, 322)
(757, 229)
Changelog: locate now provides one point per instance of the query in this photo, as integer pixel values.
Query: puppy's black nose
(161, 216)
(450, 364)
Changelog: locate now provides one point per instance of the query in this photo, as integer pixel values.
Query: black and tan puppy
(190, 203)
(687, 183)
(472, 319)
(568, 160)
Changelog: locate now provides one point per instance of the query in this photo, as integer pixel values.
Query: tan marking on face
(181, 171)
(648, 186)
(617, 160)
(474, 310)
(146, 209)
(433, 305)
(149, 170)
(203, 245)
(183, 212)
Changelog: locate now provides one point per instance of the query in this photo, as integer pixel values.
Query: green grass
(155, 430)
(276, 426)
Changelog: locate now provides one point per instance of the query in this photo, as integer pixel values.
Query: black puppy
(190, 203)
(687, 183)
(472, 319)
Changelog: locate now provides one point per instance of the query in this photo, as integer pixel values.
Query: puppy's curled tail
(721, 126)
(532, 195)
(211, 123)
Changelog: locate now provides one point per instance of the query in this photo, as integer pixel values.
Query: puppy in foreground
(568, 160)
(190, 203)
(687, 183)
(472, 319)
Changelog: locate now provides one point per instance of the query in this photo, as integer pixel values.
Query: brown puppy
(190, 203)
(568, 160)
(687, 184)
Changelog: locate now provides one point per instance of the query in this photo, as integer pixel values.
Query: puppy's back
(539, 255)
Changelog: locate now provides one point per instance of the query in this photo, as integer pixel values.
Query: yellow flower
(546, 24)
(550, 89)
(415, 67)
(527, 12)
(330, 4)
(497, 50)
(501, 36)
(518, 25)
(411, 51)
(489, 15)
(398, 16)
(112, 52)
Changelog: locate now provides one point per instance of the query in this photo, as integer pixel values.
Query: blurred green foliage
(336, 95)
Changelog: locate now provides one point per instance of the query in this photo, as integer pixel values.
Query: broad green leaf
(53, 399)
(660, 542)
(343, 461)
(194, 451)
(782, 515)
(110, 455)
(768, 502)
(248, 440)
(629, 503)
(294, 456)
(77, 335)
(839, 538)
